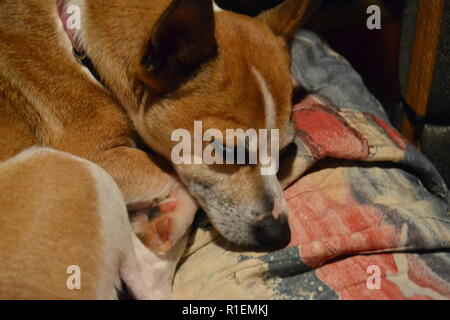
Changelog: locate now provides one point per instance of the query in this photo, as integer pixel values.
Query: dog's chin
(240, 240)
(246, 242)
(243, 236)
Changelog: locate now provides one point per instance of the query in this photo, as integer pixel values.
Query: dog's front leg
(141, 181)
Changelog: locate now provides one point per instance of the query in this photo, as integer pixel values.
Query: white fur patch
(150, 275)
(114, 228)
(217, 8)
(269, 103)
(24, 155)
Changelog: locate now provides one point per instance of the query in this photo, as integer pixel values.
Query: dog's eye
(237, 154)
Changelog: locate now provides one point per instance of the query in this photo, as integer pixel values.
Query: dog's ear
(183, 40)
(286, 18)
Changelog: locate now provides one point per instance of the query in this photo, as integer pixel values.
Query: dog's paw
(164, 224)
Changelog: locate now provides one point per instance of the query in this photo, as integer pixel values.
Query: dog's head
(184, 61)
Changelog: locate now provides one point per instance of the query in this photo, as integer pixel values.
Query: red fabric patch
(329, 135)
(328, 223)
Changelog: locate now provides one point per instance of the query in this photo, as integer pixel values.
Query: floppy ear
(183, 39)
(285, 19)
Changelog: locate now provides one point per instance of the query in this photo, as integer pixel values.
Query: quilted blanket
(370, 216)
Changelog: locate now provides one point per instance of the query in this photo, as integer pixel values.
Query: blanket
(369, 216)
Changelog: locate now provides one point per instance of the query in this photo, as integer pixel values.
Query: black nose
(273, 234)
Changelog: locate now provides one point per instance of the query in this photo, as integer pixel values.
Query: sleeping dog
(162, 65)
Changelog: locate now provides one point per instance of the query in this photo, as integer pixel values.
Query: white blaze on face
(269, 103)
(272, 141)
(270, 180)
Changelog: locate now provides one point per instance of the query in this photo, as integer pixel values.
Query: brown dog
(165, 64)
(59, 212)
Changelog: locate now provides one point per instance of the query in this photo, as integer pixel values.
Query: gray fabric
(322, 71)
(436, 145)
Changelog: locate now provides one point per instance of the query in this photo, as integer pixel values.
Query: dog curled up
(71, 176)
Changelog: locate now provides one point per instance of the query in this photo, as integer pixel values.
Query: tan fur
(289, 16)
(59, 217)
(47, 99)
(37, 73)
